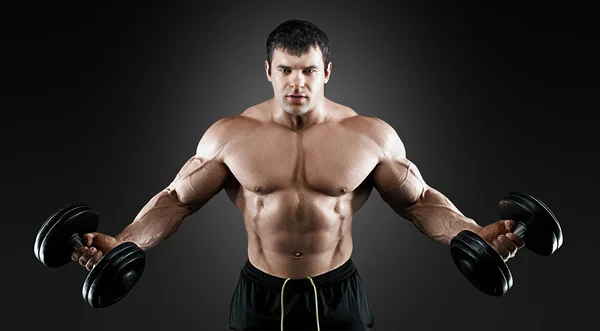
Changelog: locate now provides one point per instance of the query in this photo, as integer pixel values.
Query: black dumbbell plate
(544, 234)
(53, 246)
(480, 263)
(114, 276)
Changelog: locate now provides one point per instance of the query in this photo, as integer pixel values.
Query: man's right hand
(95, 246)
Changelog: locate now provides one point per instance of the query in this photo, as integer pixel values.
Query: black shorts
(340, 294)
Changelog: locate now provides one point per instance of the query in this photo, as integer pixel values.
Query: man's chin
(294, 109)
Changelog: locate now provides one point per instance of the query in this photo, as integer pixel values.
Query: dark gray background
(104, 105)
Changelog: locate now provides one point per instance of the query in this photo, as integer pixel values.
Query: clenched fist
(95, 246)
(501, 237)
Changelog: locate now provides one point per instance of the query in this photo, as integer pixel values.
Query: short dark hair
(295, 37)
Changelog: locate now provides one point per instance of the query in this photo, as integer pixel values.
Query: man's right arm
(200, 178)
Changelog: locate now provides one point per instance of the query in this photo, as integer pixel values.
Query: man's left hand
(501, 237)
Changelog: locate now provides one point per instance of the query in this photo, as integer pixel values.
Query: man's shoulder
(228, 127)
(221, 133)
(348, 116)
(377, 130)
(372, 126)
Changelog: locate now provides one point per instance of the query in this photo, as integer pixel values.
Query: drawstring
(316, 302)
(282, 303)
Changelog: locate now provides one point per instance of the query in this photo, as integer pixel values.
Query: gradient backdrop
(104, 104)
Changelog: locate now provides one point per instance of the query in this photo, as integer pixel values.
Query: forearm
(436, 217)
(156, 221)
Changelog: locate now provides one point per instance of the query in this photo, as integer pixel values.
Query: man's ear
(328, 72)
(268, 70)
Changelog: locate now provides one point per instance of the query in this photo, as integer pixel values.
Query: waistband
(336, 275)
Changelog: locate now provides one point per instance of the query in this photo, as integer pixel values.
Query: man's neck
(316, 115)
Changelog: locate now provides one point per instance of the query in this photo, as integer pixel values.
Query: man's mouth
(296, 97)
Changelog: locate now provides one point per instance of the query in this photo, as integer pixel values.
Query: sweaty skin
(298, 169)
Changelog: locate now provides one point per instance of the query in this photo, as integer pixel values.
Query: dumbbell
(112, 277)
(483, 266)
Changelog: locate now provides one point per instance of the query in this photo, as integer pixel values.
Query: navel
(297, 254)
(343, 189)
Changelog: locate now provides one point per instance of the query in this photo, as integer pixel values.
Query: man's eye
(310, 71)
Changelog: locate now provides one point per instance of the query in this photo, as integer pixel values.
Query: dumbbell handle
(520, 230)
(76, 241)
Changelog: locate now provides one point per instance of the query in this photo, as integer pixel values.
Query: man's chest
(333, 161)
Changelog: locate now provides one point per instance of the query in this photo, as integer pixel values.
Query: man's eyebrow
(311, 67)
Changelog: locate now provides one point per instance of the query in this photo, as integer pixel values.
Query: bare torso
(298, 190)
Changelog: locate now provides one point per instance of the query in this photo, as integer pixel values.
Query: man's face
(298, 81)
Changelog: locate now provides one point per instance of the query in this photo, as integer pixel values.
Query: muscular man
(298, 166)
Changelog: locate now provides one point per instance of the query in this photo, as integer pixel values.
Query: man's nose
(297, 80)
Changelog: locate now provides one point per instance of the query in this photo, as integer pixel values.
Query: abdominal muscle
(294, 234)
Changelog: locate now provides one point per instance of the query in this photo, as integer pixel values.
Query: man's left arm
(401, 185)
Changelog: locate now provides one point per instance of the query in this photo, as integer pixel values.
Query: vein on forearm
(435, 216)
(159, 219)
